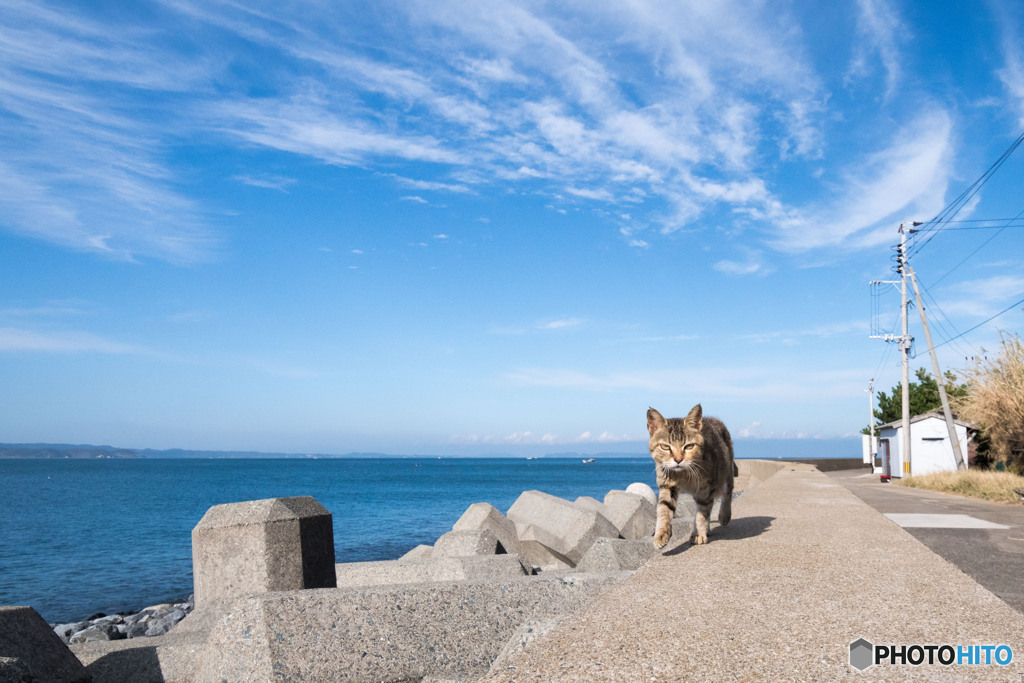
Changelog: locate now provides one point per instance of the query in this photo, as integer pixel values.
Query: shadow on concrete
(737, 530)
(139, 664)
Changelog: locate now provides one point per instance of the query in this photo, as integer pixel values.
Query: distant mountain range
(69, 451)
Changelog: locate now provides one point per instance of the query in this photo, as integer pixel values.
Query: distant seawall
(832, 464)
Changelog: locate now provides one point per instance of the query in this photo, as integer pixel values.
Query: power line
(1008, 222)
(935, 225)
(1011, 306)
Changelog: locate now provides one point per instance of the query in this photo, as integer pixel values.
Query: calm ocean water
(82, 536)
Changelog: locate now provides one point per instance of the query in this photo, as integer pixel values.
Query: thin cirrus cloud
(641, 103)
(15, 339)
(80, 168)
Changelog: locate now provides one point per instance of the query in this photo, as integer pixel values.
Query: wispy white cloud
(905, 181)
(270, 182)
(22, 340)
(748, 383)
(540, 326)
(80, 168)
(561, 324)
(881, 32)
(984, 297)
(644, 103)
(1011, 23)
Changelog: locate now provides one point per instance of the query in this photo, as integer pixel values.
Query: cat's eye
(665, 447)
(689, 446)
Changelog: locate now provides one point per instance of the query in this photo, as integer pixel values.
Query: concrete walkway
(805, 569)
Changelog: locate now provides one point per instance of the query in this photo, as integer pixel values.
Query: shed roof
(896, 424)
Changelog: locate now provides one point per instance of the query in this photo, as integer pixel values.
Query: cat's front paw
(661, 538)
(698, 539)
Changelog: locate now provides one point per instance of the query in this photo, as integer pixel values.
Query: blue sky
(438, 226)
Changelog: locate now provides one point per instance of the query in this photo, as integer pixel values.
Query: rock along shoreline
(147, 622)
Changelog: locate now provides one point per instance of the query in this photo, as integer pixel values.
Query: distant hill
(53, 451)
(68, 451)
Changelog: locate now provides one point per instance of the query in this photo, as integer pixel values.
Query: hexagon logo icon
(861, 654)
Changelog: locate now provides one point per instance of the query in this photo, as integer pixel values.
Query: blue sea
(84, 536)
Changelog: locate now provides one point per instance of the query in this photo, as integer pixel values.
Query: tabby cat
(694, 454)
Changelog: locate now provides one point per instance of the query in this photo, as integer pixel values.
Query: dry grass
(995, 401)
(996, 487)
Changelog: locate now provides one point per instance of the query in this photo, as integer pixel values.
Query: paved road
(985, 540)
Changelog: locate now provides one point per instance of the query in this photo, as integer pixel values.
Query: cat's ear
(695, 420)
(655, 421)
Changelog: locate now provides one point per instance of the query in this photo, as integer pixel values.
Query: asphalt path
(984, 540)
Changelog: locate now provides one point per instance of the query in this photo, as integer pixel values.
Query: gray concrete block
(486, 516)
(573, 529)
(466, 544)
(589, 503)
(29, 646)
(420, 552)
(535, 545)
(616, 554)
(611, 494)
(633, 515)
(443, 631)
(644, 491)
(396, 572)
(262, 545)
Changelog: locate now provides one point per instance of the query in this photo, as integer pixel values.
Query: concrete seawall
(804, 570)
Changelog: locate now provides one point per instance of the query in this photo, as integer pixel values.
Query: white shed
(930, 450)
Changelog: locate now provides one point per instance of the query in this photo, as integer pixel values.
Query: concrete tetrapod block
(28, 646)
(633, 515)
(486, 516)
(441, 631)
(616, 554)
(467, 543)
(535, 546)
(257, 546)
(420, 552)
(573, 529)
(641, 489)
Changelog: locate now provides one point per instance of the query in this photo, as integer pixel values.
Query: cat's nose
(678, 460)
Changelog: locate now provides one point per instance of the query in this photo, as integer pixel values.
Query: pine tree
(924, 397)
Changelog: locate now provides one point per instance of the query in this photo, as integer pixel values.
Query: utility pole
(871, 413)
(904, 343)
(872, 448)
(939, 379)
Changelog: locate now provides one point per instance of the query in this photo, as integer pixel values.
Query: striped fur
(693, 454)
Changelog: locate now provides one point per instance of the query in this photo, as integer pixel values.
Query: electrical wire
(984, 322)
(1008, 222)
(935, 225)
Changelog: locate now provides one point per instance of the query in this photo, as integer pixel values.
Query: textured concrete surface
(394, 572)
(616, 554)
(29, 647)
(445, 631)
(804, 570)
(572, 529)
(633, 515)
(480, 516)
(257, 546)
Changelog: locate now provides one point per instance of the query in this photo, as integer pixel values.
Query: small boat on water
(587, 461)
